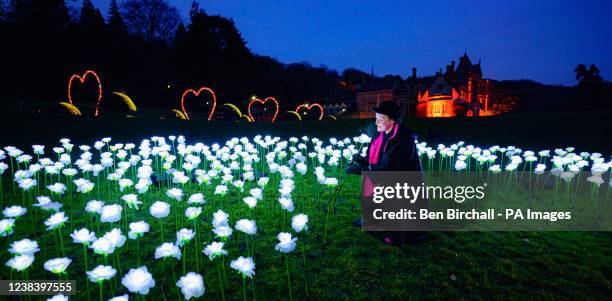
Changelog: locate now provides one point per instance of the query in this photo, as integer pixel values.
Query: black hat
(389, 108)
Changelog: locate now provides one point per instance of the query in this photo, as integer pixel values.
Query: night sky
(541, 40)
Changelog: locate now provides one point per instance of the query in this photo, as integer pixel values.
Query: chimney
(414, 77)
(450, 71)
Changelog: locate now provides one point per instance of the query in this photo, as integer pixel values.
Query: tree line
(144, 48)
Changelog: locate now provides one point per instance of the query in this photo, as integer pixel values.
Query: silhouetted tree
(116, 25)
(592, 92)
(590, 74)
(91, 20)
(155, 20)
(145, 51)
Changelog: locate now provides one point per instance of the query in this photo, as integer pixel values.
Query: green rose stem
(138, 251)
(244, 287)
(184, 258)
(25, 273)
(86, 269)
(304, 258)
(161, 230)
(178, 295)
(288, 276)
(327, 217)
(221, 283)
(116, 258)
(223, 266)
(101, 294)
(195, 226)
(59, 233)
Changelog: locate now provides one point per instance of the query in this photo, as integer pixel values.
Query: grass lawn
(351, 265)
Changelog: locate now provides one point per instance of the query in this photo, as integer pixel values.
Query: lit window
(437, 109)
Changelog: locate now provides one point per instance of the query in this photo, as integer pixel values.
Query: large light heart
(308, 107)
(82, 79)
(197, 93)
(263, 102)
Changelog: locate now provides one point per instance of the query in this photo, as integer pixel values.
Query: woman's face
(383, 122)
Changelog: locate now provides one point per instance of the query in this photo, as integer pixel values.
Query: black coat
(400, 154)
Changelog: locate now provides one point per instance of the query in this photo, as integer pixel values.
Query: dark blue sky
(542, 40)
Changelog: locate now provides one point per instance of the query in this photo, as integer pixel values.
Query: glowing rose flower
(38, 149)
(246, 226)
(124, 297)
(102, 246)
(24, 247)
(69, 172)
(138, 280)
(138, 229)
(94, 206)
(175, 193)
(101, 273)
(250, 201)
(159, 209)
(460, 165)
(193, 212)
(567, 176)
(244, 266)
(301, 168)
(115, 237)
(6, 227)
(14, 211)
(223, 232)
(214, 249)
(220, 219)
(495, 169)
(57, 188)
(143, 185)
(83, 236)
(299, 222)
(286, 204)
(221, 189)
(197, 198)
(184, 236)
(58, 297)
(125, 183)
(263, 181)
(110, 213)
(286, 243)
(256, 193)
(167, 250)
(131, 200)
(57, 265)
(20, 262)
(26, 184)
(56, 220)
(596, 180)
(45, 203)
(192, 285)
(540, 168)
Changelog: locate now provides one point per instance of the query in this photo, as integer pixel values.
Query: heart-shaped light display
(82, 79)
(197, 93)
(263, 102)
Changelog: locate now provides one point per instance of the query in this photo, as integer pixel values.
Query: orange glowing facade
(457, 92)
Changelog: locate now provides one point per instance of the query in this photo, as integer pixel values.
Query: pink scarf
(377, 143)
(368, 186)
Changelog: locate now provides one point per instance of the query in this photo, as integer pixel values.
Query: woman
(393, 149)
